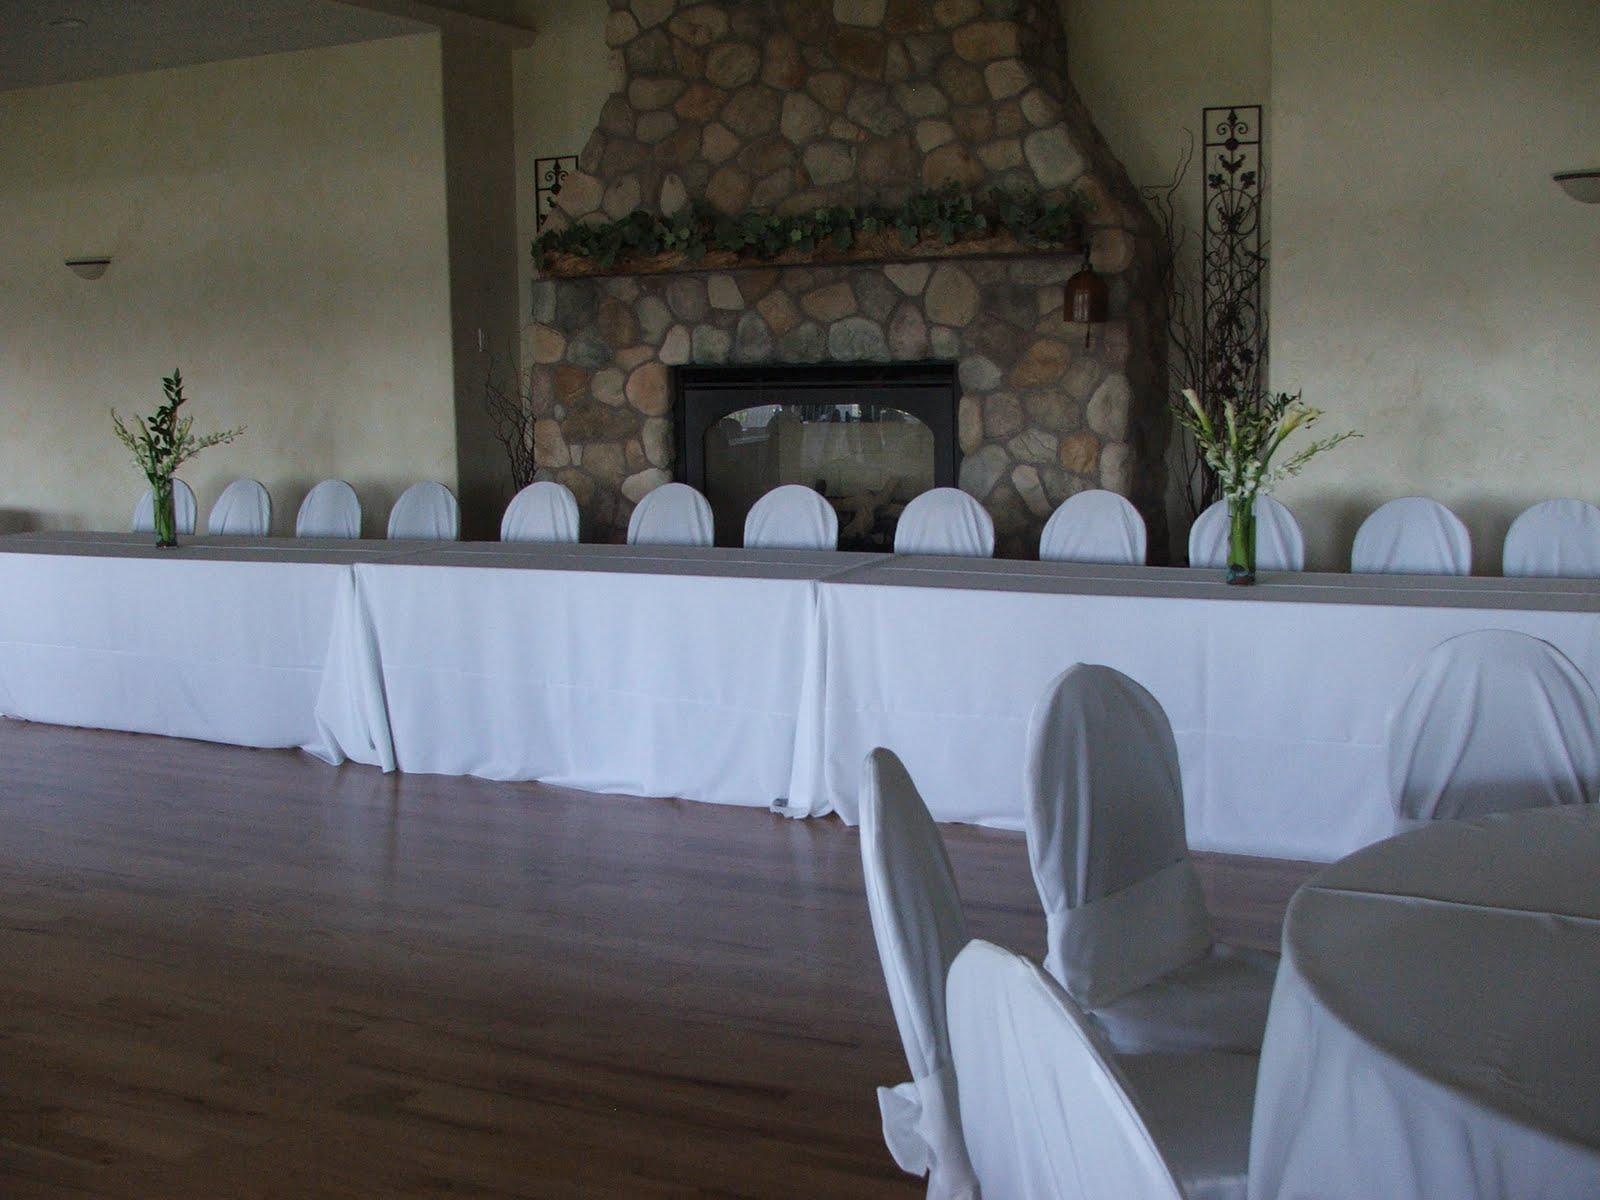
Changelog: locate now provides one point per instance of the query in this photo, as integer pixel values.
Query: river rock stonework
(791, 104)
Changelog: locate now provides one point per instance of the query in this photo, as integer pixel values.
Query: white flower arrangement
(1242, 449)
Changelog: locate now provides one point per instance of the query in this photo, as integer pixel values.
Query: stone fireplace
(787, 105)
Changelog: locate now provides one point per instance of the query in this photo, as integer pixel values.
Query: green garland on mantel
(948, 214)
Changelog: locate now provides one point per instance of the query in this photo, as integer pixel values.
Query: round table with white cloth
(1435, 1027)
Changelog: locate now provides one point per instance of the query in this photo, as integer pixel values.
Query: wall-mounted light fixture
(89, 267)
(1580, 185)
(1088, 301)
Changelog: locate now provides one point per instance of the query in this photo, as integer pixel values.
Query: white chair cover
(1493, 721)
(919, 927)
(792, 517)
(426, 511)
(1096, 526)
(674, 514)
(330, 510)
(541, 512)
(1127, 930)
(1280, 546)
(1555, 538)
(1050, 1114)
(184, 509)
(243, 510)
(1413, 536)
(945, 520)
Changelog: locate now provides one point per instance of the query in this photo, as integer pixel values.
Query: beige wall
(278, 230)
(561, 84)
(1431, 286)
(480, 168)
(1147, 69)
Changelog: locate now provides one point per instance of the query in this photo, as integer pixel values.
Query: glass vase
(1241, 539)
(165, 512)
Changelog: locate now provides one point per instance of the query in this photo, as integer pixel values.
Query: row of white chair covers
(1413, 535)
(331, 509)
(1416, 536)
(1048, 1111)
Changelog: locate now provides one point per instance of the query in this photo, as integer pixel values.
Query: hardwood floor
(234, 973)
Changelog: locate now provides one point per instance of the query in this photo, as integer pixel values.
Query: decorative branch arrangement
(161, 444)
(947, 215)
(508, 403)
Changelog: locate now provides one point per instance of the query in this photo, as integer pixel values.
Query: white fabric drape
(1554, 538)
(1095, 526)
(669, 672)
(1278, 694)
(545, 511)
(791, 517)
(426, 512)
(243, 510)
(919, 927)
(184, 510)
(674, 514)
(1492, 721)
(222, 644)
(1280, 546)
(1412, 536)
(1432, 1034)
(1050, 1114)
(1122, 901)
(945, 520)
(330, 510)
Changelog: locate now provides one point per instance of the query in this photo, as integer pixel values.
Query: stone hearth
(789, 104)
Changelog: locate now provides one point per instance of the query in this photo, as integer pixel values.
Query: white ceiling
(117, 37)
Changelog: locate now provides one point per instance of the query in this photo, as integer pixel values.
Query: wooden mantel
(879, 248)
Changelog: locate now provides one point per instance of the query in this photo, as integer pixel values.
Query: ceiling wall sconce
(1088, 300)
(89, 267)
(1580, 185)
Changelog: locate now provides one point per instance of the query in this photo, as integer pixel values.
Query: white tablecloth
(661, 671)
(1278, 694)
(222, 639)
(1434, 1032)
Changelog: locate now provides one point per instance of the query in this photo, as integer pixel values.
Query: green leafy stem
(161, 443)
(948, 214)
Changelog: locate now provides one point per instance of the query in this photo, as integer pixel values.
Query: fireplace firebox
(868, 437)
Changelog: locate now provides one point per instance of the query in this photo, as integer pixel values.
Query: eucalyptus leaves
(163, 442)
(947, 215)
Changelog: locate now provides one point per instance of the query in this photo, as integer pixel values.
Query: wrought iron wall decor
(1233, 324)
(548, 176)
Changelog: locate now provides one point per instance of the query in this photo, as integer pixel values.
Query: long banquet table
(657, 671)
(220, 639)
(1278, 693)
(745, 677)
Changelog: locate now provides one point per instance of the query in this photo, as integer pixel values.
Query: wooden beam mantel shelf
(883, 248)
